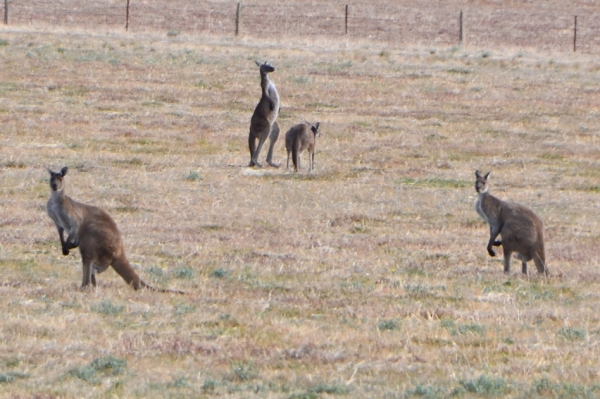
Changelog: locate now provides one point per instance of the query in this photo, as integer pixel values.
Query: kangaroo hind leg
(272, 140)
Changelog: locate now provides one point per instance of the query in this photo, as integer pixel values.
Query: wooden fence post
(127, 17)
(575, 35)
(238, 18)
(5, 12)
(346, 20)
(462, 36)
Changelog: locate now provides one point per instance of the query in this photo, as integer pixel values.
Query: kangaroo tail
(540, 263)
(164, 290)
(124, 269)
(295, 153)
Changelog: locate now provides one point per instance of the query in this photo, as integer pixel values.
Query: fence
(440, 25)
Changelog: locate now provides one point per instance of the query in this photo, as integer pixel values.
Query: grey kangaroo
(94, 232)
(299, 138)
(521, 230)
(264, 119)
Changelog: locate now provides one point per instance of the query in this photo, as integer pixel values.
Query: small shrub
(220, 273)
(209, 385)
(172, 33)
(3, 43)
(193, 176)
(385, 325)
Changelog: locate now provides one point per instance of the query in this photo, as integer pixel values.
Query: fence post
(346, 21)
(127, 17)
(462, 36)
(238, 18)
(5, 12)
(575, 35)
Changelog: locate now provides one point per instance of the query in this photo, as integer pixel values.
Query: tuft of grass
(220, 273)
(3, 43)
(242, 372)
(12, 376)
(193, 176)
(571, 334)
(105, 366)
(108, 308)
(434, 182)
(388, 325)
(186, 273)
(486, 385)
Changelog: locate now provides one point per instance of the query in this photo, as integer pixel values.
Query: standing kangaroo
(521, 230)
(299, 138)
(264, 119)
(94, 232)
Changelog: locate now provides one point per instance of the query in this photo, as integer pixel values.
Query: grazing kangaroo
(521, 230)
(264, 119)
(299, 138)
(94, 232)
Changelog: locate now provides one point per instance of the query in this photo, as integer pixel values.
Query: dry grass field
(367, 278)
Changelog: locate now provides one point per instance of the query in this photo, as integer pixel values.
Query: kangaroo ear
(257, 63)
(317, 125)
(314, 129)
(487, 175)
(477, 174)
(64, 171)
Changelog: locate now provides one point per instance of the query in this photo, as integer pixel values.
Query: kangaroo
(299, 138)
(264, 119)
(521, 230)
(94, 232)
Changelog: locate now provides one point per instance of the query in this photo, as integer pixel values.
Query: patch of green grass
(12, 376)
(242, 371)
(3, 43)
(486, 385)
(131, 161)
(193, 176)
(108, 308)
(107, 366)
(186, 273)
(426, 392)
(472, 328)
(571, 334)
(220, 273)
(321, 105)
(460, 71)
(183, 308)
(434, 183)
(388, 325)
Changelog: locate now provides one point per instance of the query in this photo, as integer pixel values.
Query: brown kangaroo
(299, 138)
(521, 230)
(264, 119)
(94, 232)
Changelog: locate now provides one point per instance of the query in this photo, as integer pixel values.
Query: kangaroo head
(481, 182)
(266, 67)
(56, 179)
(315, 129)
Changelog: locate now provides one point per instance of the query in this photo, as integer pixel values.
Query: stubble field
(366, 278)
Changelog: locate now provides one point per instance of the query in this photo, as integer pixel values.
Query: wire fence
(442, 25)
